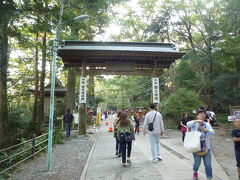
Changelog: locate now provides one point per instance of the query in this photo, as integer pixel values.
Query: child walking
(236, 140)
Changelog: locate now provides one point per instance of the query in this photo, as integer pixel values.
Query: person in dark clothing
(136, 121)
(236, 140)
(125, 127)
(207, 119)
(137, 125)
(68, 118)
(183, 124)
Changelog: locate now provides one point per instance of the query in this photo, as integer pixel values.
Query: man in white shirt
(154, 135)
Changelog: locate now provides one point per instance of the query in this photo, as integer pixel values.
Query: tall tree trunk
(71, 86)
(36, 93)
(71, 79)
(7, 10)
(3, 83)
(237, 61)
(91, 95)
(42, 81)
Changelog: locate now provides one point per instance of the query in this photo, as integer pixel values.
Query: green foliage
(208, 30)
(222, 118)
(181, 101)
(124, 92)
(226, 91)
(58, 137)
(21, 156)
(19, 119)
(186, 76)
(88, 120)
(60, 105)
(170, 123)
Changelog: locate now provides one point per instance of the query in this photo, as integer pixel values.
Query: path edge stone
(84, 172)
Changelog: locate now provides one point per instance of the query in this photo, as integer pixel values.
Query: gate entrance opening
(117, 58)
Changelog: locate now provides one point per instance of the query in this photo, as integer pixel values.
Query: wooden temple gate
(116, 58)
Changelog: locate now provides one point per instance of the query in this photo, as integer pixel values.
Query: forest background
(207, 30)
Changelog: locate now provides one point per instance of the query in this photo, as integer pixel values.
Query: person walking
(183, 124)
(135, 121)
(206, 129)
(137, 125)
(68, 118)
(158, 129)
(125, 131)
(236, 140)
(117, 147)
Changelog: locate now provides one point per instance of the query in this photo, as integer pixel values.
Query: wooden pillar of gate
(82, 109)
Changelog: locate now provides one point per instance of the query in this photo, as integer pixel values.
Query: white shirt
(158, 126)
(195, 126)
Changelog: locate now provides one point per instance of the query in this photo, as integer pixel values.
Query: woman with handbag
(206, 129)
(183, 124)
(126, 135)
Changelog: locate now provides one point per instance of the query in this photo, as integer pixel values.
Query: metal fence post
(33, 145)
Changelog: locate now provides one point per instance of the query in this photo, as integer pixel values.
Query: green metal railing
(12, 156)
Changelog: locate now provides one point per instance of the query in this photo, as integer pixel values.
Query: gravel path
(68, 162)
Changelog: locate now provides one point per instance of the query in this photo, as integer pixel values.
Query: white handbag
(192, 141)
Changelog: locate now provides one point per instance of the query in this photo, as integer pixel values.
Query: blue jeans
(68, 129)
(237, 153)
(155, 144)
(123, 146)
(118, 146)
(207, 163)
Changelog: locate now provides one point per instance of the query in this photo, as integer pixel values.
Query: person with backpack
(206, 129)
(154, 123)
(126, 134)
(68, 118)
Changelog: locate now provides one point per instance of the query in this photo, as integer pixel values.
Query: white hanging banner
(155, 90)
(98, 110)
(83, 90)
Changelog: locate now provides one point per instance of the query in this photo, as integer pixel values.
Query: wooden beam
(146, 72)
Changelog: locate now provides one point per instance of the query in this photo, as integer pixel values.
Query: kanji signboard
(155, 90)
(83, 90)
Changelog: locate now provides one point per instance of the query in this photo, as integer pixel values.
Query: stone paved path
(176, 164)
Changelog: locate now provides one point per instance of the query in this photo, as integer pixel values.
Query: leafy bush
(186, 76)
(226, 91)
(182, 100)
(58, 137)
(90, 122)
(19, 119)
(222, 118)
